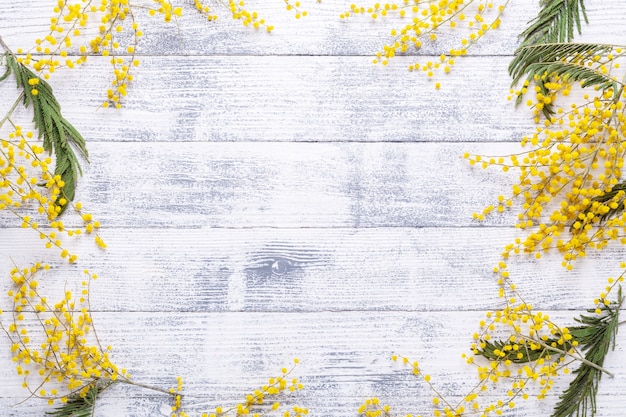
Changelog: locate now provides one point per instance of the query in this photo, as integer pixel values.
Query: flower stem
(12, 109)
(150, 387)
(5, 46)
(8, 115)
(579, 358)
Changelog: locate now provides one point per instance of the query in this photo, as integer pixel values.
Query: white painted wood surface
(272, 196)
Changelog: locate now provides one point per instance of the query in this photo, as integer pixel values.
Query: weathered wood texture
(328, 91)
(292, 98)
(345, 358)
(195, 185)
(266, 197)
(320, 33)
(310, 269)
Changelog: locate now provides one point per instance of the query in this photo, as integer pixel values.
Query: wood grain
(320, 33)
(344, 358)
(274, 196)
(196, 185)
(292, 98)
(308, 270)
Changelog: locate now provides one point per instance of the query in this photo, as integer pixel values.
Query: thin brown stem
(150, 387)
(5, 46)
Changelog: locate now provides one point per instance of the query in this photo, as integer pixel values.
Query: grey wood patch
(272, 196)
(344, 357)
(196, 185)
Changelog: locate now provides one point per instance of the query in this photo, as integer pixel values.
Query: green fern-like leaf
(7, 71)
(576, 72)
(555, 22)
(491, 349)
(565, 61)
(81, 406)
(595, 335)
(59, 136)
(580, 397)
(535, 60)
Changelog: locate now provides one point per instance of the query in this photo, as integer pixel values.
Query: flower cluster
(205, 10)
(34, 194)
(68, 43)
(239, 11)
(425, 20)
(569, 181)
(572, 200)
(63, 353)
(296, 8)
(518, 354)
(372, 407)
(54, 345)
(258, 403)
(115, 23)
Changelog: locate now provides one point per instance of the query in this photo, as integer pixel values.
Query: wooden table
(271, 196)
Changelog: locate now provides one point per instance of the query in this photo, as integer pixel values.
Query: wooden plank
(226, 260)
(344, 358)
(304, 270)
(295, 98)
(149, 405)
(320, 33)
(196, 185)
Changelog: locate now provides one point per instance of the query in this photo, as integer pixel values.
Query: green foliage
(6, 73)
(80, 406)
(595, 335)
(555, 22)
(491, 349)
(545, 50)
(58, 134)
(567, 60)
